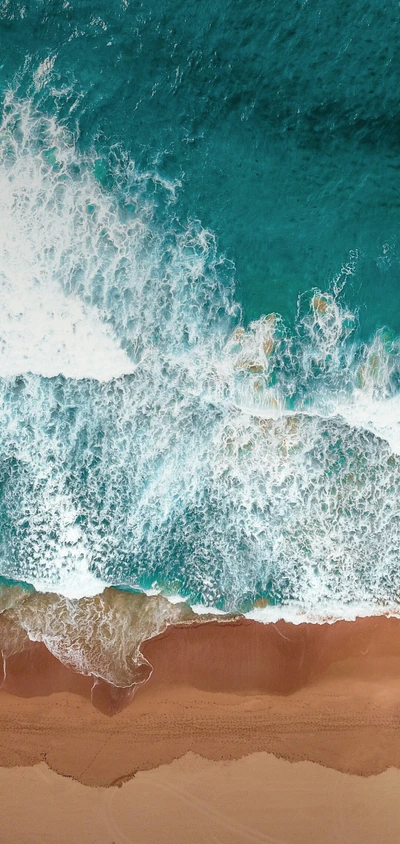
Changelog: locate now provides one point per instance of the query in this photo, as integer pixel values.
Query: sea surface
(200, 306)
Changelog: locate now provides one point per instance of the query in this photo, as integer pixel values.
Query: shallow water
(199, 324)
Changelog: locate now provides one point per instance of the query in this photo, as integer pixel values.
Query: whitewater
(153, 441)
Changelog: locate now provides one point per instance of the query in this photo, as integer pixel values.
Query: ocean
(200, 312)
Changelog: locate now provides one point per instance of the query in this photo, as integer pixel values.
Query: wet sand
(265, 696)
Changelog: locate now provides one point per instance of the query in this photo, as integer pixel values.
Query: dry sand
(194, 801)
(222, 698)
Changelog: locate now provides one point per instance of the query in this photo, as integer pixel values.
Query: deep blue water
(170, 174)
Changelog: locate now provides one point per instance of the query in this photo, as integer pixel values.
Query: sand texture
(255, 800)
(328, 694)
(219, 746)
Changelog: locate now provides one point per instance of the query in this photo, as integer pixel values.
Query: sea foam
(50, 236)
(150, 439)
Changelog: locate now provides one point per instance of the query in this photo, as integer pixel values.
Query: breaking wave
(149, 439)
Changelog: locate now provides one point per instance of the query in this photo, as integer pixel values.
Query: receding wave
(99, 636)
(148, 438)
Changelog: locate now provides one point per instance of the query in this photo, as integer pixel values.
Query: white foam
(92, 289)
(380, 416)
(201, 609)
(67, 581)
(328, 614)
(233, 463)
(43, 72)
(47, 234)
(49, 334)
(175, 599)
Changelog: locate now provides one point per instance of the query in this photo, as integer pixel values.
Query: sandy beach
(256, 800)
(244, 732)
(323, 693)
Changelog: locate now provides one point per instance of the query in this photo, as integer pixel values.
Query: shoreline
(327, 694)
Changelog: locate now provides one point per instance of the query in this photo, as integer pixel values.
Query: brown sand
(194, 801)
(328, 694)
(240, 656)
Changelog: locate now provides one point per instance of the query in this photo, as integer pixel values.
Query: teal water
(281, 121)
(199, 264)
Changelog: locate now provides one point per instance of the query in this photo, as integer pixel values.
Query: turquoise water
(281, 121)
(200, 310)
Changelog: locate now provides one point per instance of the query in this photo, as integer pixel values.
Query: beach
(199, 422)
(244, 732)
(256, 799)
